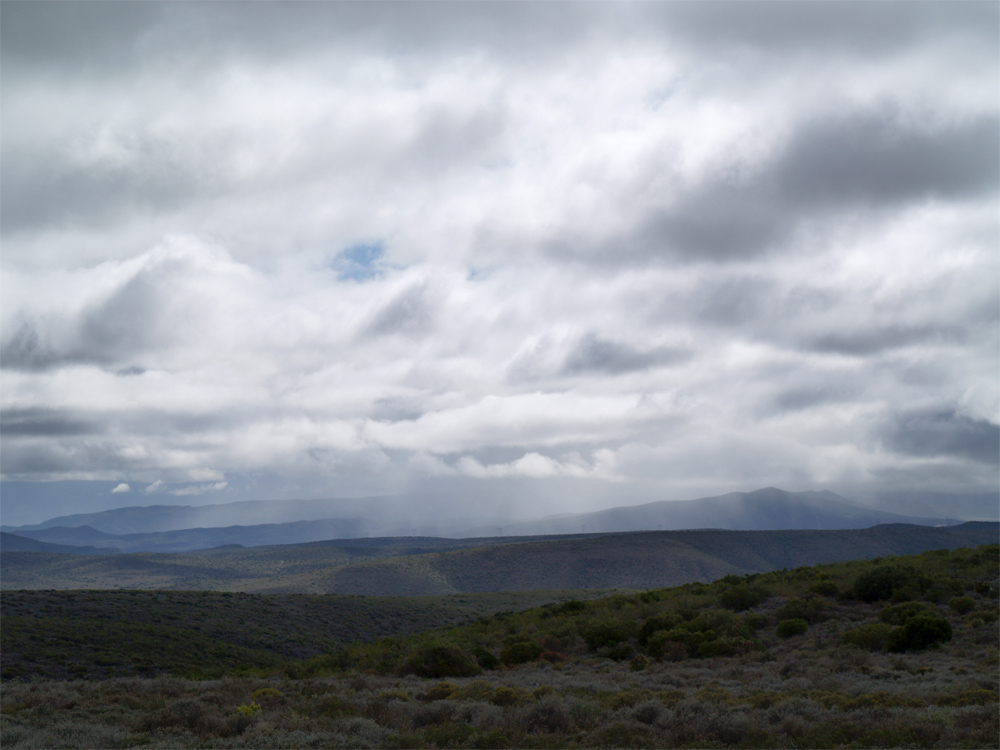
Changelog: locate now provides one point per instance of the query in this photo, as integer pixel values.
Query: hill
(894, 652)
(407, 567)
(765, 509)
(15, 543)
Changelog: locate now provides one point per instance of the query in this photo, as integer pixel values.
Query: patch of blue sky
(359, 262)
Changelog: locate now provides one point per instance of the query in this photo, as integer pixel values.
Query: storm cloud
(570, 253)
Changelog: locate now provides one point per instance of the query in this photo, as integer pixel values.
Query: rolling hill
(766, 509)
(400, 568)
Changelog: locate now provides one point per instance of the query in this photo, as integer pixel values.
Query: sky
(542, 257)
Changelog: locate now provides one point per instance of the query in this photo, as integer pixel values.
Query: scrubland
(896, 652)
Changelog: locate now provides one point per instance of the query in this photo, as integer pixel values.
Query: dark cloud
(596, 354)
(943, 433)
(38, 422)
(868, 161)
(874, 159)
(410, 312)
(46, 188)
(124, 326)
(878, 338)
(797, 398)
(110, 37)
(873, 28)
(80, 36)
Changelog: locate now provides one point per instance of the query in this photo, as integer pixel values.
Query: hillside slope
(398, 567)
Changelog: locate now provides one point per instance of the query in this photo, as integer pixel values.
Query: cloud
(592, 353)
(944, 433)
(121, 488)
(673, 248)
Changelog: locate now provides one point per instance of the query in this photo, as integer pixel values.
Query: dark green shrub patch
(898, 614)
(875, 636)
(792, 627)
(809, 608)
(921, 631)
(607, 634)
(962, 604)
(437, 661)
(485, 658)
(880, 583)
(825, 588)
(741, 597)
(521, 652)
(658, 622)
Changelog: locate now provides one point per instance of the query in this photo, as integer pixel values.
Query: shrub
(898, 614)
(266, 694)
(792, 627)
(619, 652)
(510, 696)
(825, 588)
(874, 636)
(741, 598)
(880, 583)
(647, 712)
(441, 691)
(962, 604)
(437, 661)
(606, 634)
(639, 662)
(485, 658)
(657, 622)
(548, 715)
(810, 609)
(521, 652)
(664, 646)
(921, 631)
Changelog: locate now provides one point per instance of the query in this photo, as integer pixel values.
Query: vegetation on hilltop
(892, 652)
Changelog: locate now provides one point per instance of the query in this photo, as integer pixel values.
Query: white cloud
(121, 488)
(635, 245)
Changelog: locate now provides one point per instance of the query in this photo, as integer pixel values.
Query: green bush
(667, 644)
(880, 583)
(792, 627)
(619, 652)
(485, 658)
(875, 636)
(740, 598)
(898, 614)
(607, 634)
(962, 604)
(657, 622)
(825, 588)
(437, 661)
(521, 652)
(810, 609)
(919, 632)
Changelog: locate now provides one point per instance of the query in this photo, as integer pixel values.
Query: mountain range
(162, 528)
(409, 566)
